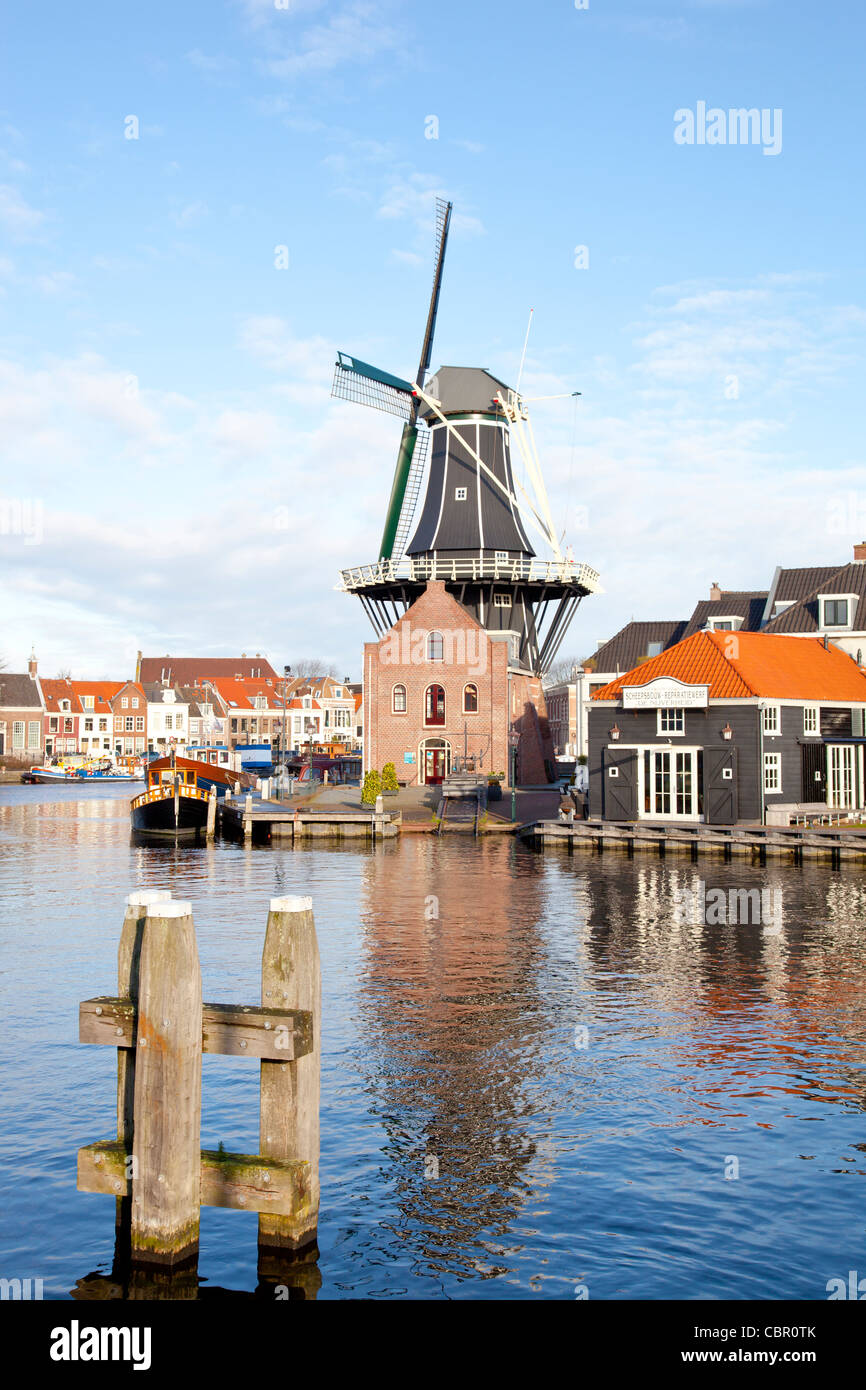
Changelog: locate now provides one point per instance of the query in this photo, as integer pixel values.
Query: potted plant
(390, 785)
(494, 786)
(372, 788)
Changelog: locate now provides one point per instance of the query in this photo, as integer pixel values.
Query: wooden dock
(254, 819)
(833, 844)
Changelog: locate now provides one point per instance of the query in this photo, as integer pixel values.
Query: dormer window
(835, 612)
(730, 622)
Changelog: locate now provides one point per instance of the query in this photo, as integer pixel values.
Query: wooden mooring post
(158, 1023)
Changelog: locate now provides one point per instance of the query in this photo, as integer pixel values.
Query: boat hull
(167, 815)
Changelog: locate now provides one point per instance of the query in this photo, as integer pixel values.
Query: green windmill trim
(398, 489)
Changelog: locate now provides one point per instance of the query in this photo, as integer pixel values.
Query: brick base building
(440, 689)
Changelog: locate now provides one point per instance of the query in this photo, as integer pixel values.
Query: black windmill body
(472, 529)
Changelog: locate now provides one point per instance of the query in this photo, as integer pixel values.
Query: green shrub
(371, 788)
(389, 778)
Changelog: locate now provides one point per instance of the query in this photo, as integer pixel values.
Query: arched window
(434, 705)
(435, 647)
(470, 699)
(398, 699)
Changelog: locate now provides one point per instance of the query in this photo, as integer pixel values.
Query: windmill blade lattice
(357, 381)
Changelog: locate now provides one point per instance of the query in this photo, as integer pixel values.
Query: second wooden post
(292, 979)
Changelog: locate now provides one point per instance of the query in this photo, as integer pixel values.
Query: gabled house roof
(55, 690)
(101, 692)
(183, 670)
(745, 665)
(748, 604)
(804, 616)
(154, 691)
(789, 585)
(18, 692)
(631, 644)
(241, 694)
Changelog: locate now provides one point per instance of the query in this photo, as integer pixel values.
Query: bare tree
(562, 670)
(308, 668)
(64, 674)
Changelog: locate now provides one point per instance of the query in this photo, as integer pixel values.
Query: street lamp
(513, 741)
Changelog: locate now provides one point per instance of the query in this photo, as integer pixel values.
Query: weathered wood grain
(244, 1182)
(234, 1030)
(167, 1104)
(289, 1104)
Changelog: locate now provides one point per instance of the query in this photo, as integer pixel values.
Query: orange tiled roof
(103, 692)
(743, 665)
(241, 694)
(53, 691)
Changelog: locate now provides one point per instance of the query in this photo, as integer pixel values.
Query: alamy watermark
(736, 126)
(22, 516)
(717, 907)
(405, 646)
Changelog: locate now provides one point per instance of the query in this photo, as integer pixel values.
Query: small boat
(177, 796)
(96, 770)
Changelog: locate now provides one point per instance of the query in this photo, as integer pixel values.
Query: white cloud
(21, 221)
(358, 33)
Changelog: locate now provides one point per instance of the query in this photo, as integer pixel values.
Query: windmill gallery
(467, 617)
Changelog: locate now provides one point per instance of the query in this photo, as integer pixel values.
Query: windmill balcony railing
(505, 571)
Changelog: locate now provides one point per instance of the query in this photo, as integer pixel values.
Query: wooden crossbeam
(245, 1182)
(235, 1030)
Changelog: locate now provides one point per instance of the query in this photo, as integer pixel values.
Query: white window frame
(461, 494)
(812, 715)
(771, 721)
(772, 772)
(835, 598)
(502, 601)
(679, 719)
(500, 557)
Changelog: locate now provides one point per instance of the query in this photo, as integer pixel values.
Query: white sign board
(665, 693)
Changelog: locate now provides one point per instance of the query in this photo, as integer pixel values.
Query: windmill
(472, 532)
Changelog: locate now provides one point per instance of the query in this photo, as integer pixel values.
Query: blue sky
(164, 388)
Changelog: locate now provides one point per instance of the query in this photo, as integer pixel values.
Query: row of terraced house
(174, 703)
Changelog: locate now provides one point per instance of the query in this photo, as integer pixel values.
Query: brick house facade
(20, 719)
(438, 687)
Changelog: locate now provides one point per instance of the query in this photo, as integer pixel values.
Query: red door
(434, 765)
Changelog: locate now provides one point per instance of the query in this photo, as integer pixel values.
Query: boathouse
(725, 726)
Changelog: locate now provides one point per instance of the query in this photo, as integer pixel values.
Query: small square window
(460, 494)
(810, 720)
(835, 612)
(501, 557)
(671, 721)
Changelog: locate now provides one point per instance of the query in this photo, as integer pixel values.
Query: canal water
(542, 1076)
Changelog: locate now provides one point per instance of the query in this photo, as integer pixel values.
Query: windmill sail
(357, 381)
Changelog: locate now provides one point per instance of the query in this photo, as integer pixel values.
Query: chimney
(715, 592)
(860, 551)
(31, 664)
